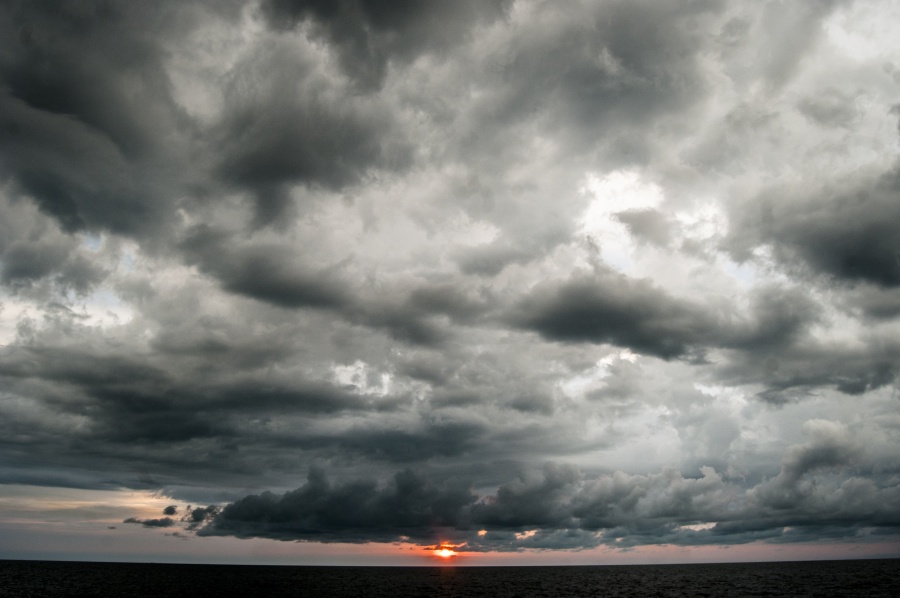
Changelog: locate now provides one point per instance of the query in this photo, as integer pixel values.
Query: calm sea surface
(867, 578)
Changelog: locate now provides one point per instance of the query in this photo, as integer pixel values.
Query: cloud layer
(612, 272)
(826, 486)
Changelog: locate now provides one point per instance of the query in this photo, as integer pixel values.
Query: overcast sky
(541, 280)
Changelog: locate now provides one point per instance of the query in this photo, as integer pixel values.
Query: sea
(869, 578)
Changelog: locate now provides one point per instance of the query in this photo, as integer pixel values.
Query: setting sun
(445, 551)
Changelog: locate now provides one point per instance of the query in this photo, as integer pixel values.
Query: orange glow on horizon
(445, 551)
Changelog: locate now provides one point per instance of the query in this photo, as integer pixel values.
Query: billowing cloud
(612, 273)
(559, 507)
(368, 35)
(294, 125)
(847, 231)
(355, 511)
(613, 309)
(91, 130)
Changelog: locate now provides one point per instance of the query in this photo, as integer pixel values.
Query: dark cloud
(87, 113)
(240, 239)
(776, 349)
(131, 416)
(133, 394)
(611, 308)
(795, 372)
(41, 255)
(162, 522)
(67, 61)
(416, 441)
(276, 275)
(74, 173)
(369, 34)
(602, 69)
(200, 514)
(780, 317)
(460, 305)
(531, 501)
(846, 230)
(408, 327)
(356, 511)
(428, 316)
(875, 302)
(265, 272)
(560, 508)
(830, 447)
(285, 122)
(41, 261)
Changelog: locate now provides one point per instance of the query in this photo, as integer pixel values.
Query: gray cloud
(875, 302)
(368, 35)
(847, 231)
(648, 225)
(357, 511)
(625, 63)
(560, 508)
(831, 447)
(294, 125)
(791, 33)
(795, 372)
(263, 272)
(780, 317)
(651, 244)
(612, 309)
(90, 144)
(33, 252)
(830, 108)
(162, 522)
(491, 259)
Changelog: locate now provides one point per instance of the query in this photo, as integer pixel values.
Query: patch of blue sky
(92, 241)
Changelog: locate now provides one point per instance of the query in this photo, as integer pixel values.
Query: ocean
(869, 578)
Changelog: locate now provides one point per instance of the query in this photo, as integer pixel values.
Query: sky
(530, 282)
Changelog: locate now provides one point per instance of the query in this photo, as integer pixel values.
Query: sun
(445, 553)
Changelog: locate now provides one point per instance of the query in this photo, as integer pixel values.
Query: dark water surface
(867, 578)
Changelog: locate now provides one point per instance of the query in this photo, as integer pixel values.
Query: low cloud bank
(823, 486)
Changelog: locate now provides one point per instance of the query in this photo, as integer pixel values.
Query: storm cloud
(516, 275)
(540, 508)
